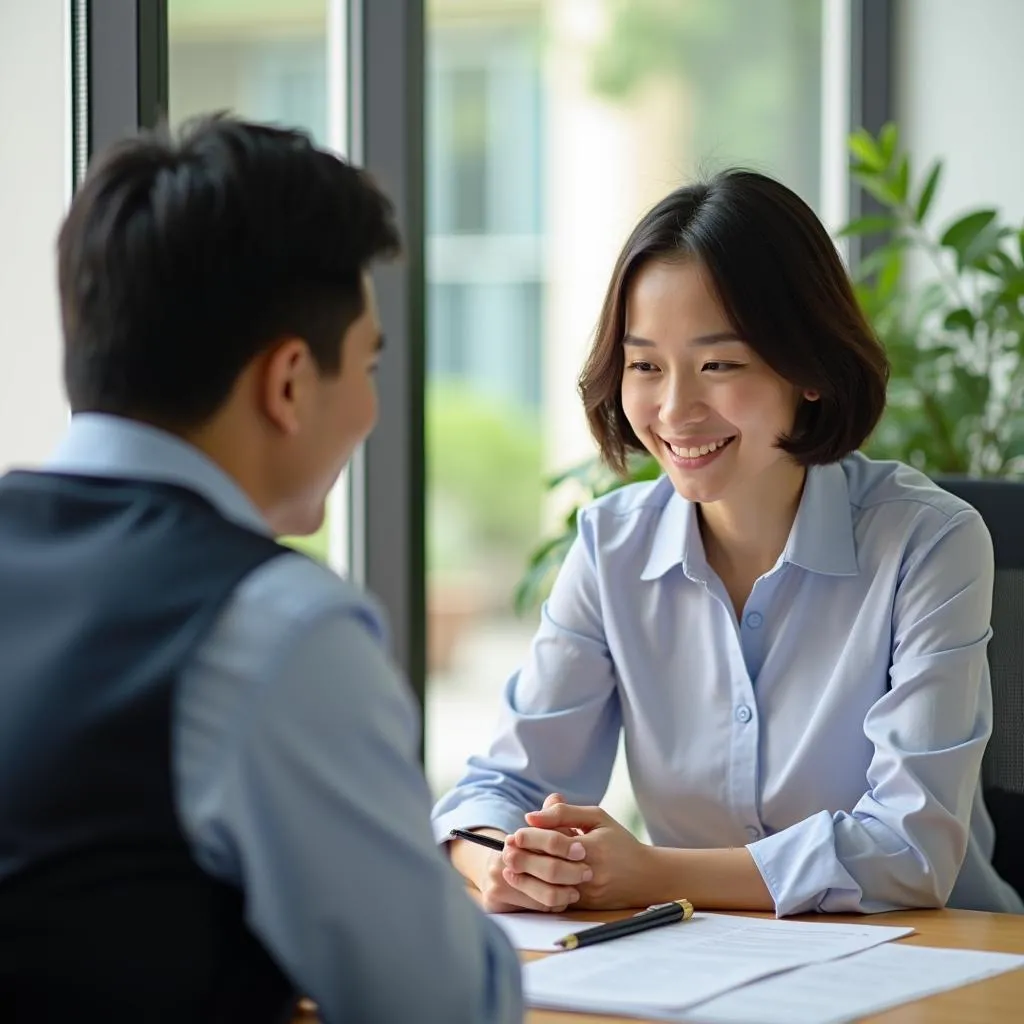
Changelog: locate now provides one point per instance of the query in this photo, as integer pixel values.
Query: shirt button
(753, 832)
(744, 714)
(754, 620)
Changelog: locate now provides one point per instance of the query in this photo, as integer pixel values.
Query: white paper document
(854, 987)
(659, 972)
(538, 931)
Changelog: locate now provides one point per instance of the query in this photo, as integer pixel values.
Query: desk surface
(995, 1000)
(992, 1001)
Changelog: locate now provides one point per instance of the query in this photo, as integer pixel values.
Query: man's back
(294, 774)
(107, 587)
(221, 335)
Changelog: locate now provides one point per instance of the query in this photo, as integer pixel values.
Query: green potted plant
(947, 305)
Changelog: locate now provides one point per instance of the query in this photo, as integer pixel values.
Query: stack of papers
(669, 969)
(852, 988)
(717, 969)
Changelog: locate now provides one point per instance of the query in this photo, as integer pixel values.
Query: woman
(792, 637)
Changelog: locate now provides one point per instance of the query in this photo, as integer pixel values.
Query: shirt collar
(100, 445)
(822, 536)
(821, 539)
(677, 541)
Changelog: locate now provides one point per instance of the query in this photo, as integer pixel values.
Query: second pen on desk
(652, 917)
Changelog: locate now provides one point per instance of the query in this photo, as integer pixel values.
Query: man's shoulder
(296, 589)
(294, 635)
(294, 667)
(277, 606)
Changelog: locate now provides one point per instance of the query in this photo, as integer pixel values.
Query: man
(209, 793)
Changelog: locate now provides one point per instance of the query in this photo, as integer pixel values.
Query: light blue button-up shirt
(296, 773)
(836, 728)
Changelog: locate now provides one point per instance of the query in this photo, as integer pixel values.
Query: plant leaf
(960, 319)
(646, 467)
(961, 233)
(881, 189)
(582, 472)
(901, 179)
(890, 274)
(876, 260)
(866, 149)
(983, 247)
(544, 562)
(872, 224)
(544, 550)
(1013, 446)
(999, 264)
(888, 138)
(924, 201)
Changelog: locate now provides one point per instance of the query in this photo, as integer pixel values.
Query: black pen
(475, 837)
(652, 917)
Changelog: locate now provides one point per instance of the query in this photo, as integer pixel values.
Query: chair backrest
(1001, 504)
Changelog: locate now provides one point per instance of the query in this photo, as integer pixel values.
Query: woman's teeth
(696, 453)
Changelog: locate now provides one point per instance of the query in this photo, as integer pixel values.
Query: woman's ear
(810, 395)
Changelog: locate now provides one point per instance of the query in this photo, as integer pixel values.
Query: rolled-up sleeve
(560, 714)
(903, 843)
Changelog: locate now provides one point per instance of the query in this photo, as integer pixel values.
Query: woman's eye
(641, 366)
(716, 366)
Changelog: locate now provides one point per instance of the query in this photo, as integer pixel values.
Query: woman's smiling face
(697, 396)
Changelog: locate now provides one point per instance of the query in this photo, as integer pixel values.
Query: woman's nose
(681, 402)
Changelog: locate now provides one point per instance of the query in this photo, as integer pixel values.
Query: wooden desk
(994, 1000)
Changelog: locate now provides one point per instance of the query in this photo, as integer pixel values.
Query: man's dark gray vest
(107, 588)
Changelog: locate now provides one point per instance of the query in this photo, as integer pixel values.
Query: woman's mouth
(696, 456)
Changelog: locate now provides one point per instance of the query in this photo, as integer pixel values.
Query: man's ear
(283, 383)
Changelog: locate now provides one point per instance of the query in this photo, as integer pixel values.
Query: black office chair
(1001, 504)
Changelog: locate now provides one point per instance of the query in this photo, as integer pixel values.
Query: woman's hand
(556, 868)
(553, 890)
(619, 865)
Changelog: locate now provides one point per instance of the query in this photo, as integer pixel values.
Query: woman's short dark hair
(786, 293)
(182, 259)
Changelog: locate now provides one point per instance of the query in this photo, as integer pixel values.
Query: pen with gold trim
(652, 917)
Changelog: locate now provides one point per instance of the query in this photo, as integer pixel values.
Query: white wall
(34, 186)
(959, 85)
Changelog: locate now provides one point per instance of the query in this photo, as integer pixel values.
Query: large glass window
(551, 126)
(265, 60)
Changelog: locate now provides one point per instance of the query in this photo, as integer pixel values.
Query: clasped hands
(567, 856)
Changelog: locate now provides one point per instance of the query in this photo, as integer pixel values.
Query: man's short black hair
(181, 259)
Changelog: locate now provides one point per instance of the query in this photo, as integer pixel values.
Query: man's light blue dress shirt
(294, 745)
(836, 728)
